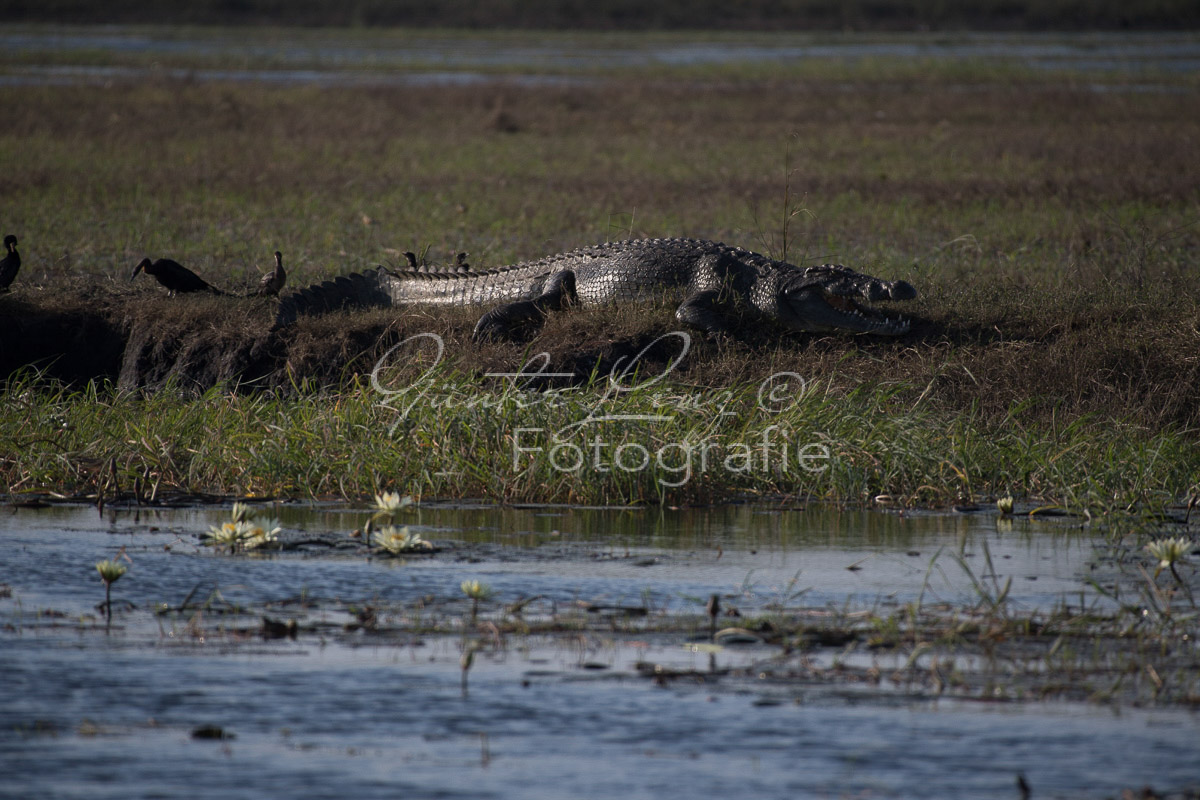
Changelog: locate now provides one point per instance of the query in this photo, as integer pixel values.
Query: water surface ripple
(96, 716)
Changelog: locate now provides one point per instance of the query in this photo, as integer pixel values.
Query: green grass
(452, 438)
(1041, 183)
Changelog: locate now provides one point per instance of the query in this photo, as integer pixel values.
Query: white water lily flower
(400, 541)
(1169, 551)
(476, 590)
(242, 513)
(228, 533)
(391, 502)
(231, 534)
(262, 534)
(110, 571)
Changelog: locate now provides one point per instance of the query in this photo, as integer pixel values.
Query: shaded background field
(634, 14)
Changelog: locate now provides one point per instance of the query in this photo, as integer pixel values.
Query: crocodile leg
(527, 315)
(700, 310)
(711, 300)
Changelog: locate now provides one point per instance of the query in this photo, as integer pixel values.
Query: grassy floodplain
(1049, 220)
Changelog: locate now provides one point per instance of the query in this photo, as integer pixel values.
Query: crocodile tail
(357, 290)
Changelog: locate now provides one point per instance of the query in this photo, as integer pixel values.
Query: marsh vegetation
(1050, 227)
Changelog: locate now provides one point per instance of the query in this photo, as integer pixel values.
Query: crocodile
(716, 286)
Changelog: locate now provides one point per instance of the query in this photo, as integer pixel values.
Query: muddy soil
(1099, 358)
(144, 339)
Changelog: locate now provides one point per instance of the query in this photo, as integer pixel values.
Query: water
(1088, 52)
(401, 58)
(564, 554)
(349, 714)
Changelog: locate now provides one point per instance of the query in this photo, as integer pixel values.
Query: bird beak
(137, 269)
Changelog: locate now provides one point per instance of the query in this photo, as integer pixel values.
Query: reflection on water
(760, 555)
(110, 716)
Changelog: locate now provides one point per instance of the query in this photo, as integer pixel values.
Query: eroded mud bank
(1116, 357)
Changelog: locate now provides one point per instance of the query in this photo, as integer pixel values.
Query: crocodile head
(833, 298)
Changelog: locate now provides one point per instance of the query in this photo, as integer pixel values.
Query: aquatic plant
(1005, 506)
(387, 505)
(244, 531)
(476, 591)
(713, 609)
(229, 534)
(1169, 552)
(464, 662)
(397, 541)
(241, 512)
(110, 572)
(262, 534)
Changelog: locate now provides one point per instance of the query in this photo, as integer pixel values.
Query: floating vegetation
(398, 541)
(244, 531)
(387, 506)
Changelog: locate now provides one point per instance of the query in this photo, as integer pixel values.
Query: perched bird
(10, 264)
(273, 281)
(460, 262)
(177, 278)
(411, 258)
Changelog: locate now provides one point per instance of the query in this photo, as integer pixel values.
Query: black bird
(273, 281)
(10, 265)
(175, 276)
(460, 262)
(411, 258)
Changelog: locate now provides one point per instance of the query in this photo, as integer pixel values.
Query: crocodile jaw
(818, 310)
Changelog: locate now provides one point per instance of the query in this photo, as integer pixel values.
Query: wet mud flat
(850, 653)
